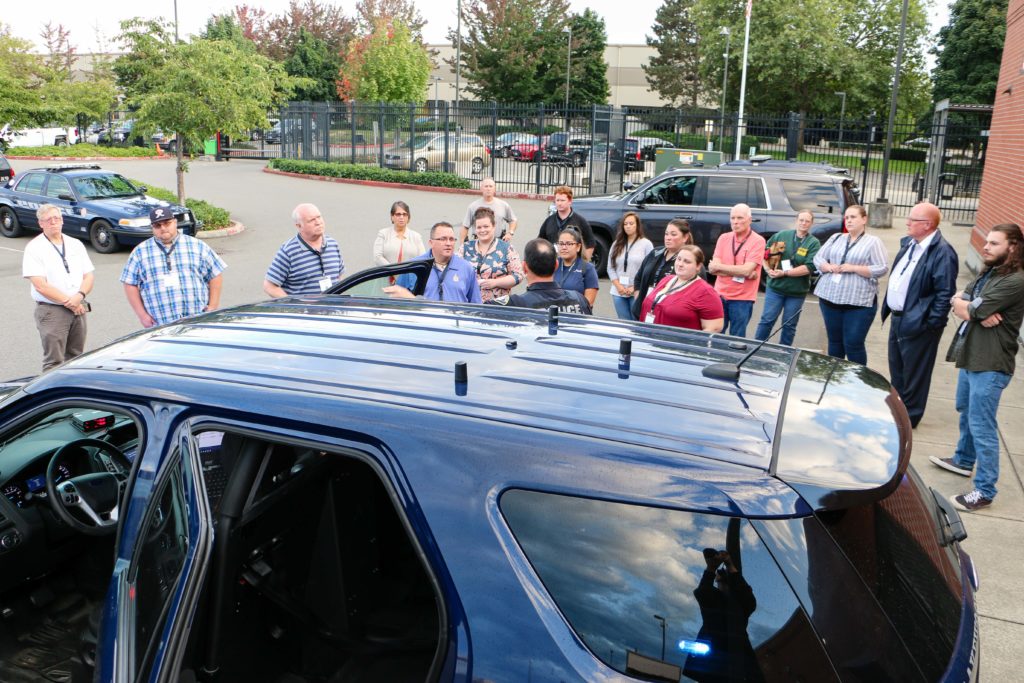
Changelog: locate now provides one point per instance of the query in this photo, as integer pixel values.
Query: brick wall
(1002, 185)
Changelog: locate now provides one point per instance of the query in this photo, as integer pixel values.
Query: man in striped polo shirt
(308, 263)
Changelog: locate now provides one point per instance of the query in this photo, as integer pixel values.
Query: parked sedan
(100, 206)
(531, 150)
(504, 143)
(431, 151)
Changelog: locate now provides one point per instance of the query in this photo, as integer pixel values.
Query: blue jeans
(775, 303)
(737, 315)
(623, 304)
(846, 329)
(977, 399)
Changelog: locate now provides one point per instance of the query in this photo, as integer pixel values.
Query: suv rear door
(724, 192)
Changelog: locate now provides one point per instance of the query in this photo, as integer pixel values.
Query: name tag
(625, 280)
(739, 278)
(169, 280)
(802, 251)
(649, 318)
(325, 283)
(787, 264)
(836, 277)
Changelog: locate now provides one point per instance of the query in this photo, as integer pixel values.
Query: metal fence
(533, 148)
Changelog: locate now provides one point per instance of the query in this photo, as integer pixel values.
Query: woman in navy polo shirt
(573, 271)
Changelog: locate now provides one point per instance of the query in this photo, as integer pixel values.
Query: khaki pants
(62, 333)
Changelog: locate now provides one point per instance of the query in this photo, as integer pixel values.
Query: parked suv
(346, 488)
(429, 151)
(574, 147)
(704, 197)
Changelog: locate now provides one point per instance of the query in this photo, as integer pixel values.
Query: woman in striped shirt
(850, 264)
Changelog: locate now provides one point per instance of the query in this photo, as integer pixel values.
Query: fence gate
(956, 159)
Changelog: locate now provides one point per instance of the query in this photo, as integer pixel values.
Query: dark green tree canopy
(674, 72)
(969, 52)
(588, 72)
(314, 61)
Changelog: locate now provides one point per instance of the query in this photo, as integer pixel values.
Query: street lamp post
(741, 125)
(842, 113)
(568, 65)
(175, 21)
(458, 53)
(662, 620)
(892, 104)
(437, 102)
(725, 82)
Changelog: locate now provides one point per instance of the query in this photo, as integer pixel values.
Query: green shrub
(907, 154)
(211, 216)
(82, 150)
(356, 172)
(698, 140)
(485, 130)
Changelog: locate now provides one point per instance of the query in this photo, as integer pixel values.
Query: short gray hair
(45, 209)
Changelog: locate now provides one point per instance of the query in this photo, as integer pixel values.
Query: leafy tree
(69, 99)
(386, 66)
(226, 27)
(511, 50)
(146, 45)
(205, 87)
(276, 36)
(20, 103)
(373, 11)
(588, 70)
(674, 73)
(313, 61)
(970, 51)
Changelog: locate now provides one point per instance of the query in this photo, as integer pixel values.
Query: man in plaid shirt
(171, 276)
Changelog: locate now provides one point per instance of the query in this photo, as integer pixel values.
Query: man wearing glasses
(452, 278)
(61, 274)
(171, 276)
(308, 263)
(921, 282)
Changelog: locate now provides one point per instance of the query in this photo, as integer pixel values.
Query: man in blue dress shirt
(452, 278)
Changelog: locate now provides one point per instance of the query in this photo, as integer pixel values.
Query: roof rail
(72, 167)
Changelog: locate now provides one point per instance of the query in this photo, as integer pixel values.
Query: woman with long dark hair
(398, 243)
(627, 253)
(660, 261)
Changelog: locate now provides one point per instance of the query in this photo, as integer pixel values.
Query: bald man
(921, 283)
(737, 267)
(309, 262)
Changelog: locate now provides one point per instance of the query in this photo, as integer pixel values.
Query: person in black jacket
(661, 262)
(921, 282)
(539, 262)
(564, 217)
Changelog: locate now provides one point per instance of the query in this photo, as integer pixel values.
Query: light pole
(892, 104)
(437, 102)
(725, 81)
(842, 113)
(568, 64)
(740, 124)
(175, 21)
(458, 53)
(662, 620)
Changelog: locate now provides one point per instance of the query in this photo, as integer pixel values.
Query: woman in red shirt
(684, 299)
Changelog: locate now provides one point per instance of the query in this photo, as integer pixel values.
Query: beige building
(625, 76)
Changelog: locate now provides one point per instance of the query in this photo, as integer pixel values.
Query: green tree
(969, 52)
(146, 45)
(370, 12)
(70, 99)
(674, 72)
(386, 66)
(205, 87)
(314, 62)
(588, 70)
(276, 36)
(511, 50)
(226, 27)
(20, 104)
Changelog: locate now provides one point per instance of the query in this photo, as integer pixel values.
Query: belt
(47, 303)
(896, 314)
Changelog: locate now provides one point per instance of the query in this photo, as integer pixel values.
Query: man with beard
(984, 348)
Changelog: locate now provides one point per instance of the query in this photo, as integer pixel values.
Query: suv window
(729, 191)
(666, 613)
(32, 183)
(57, 186)
(813, 195)
(677, 191)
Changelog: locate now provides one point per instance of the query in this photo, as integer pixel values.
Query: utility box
(670, 157)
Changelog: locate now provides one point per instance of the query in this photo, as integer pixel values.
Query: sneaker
(971, 502)
(949, 465)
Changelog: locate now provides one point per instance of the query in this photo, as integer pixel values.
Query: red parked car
(529, 151)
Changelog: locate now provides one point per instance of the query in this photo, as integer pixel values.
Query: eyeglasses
(567, 244)
(442, 239)
(56, 218)
(911, 219)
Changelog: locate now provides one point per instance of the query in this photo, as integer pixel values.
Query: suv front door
(677, 196)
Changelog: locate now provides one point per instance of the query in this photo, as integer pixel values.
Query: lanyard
(561, 268)
(62, 251)
(481, 256)
(736, 247)
(440, 281)
(625, 259)
(319, 254)
(797, 246)
(562, 223)
(849, 246)
(671, 289)
(167, 253)
(910, 258)
(667, 264)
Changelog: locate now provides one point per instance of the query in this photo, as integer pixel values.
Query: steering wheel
(96, 494)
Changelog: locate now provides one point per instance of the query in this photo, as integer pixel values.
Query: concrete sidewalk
(996, 534)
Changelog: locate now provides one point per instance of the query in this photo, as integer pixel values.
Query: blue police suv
(347, 488)
(100, 206)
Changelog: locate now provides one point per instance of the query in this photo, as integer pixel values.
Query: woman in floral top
(498, 267)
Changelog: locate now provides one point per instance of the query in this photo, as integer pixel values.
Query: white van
(39, 137)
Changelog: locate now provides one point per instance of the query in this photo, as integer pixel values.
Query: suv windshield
(104, 187)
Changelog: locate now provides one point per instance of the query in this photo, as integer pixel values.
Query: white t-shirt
(43, 258)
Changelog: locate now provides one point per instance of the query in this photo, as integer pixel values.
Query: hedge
(487, 129)
(357, 172)
(696, 140)
(212, 217)
(84, 149)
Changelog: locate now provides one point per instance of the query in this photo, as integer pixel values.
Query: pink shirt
(731, 251)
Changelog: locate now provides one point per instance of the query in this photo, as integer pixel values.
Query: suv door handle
(685, 218)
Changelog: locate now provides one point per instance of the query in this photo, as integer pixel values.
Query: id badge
(649, 318)
(802, 251)
(786, 264)
(837, 277)
(963, 328)
(739, 278)
(169, 280)
(325, 283)
(625, 280)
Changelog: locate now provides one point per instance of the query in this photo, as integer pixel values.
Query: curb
(408, 186)
(232, 229)
(162, 156)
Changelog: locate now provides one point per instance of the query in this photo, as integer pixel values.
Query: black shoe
(950, 466)
(971, 502)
